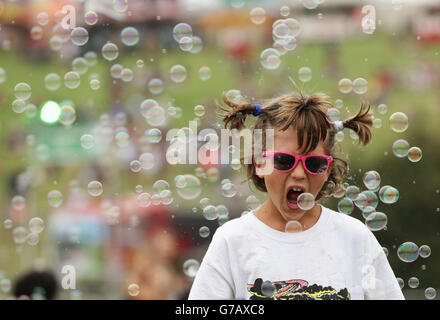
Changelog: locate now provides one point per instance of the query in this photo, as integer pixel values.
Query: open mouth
(292, 196)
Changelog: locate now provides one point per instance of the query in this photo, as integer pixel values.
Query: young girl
(330, 255)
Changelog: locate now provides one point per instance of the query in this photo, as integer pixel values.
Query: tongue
(292, 195)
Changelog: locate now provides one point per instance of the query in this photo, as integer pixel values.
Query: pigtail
(236, 114)
(361, 124)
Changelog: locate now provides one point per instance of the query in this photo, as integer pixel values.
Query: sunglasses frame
(297, 159)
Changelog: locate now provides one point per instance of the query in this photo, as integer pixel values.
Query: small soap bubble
(72, 80)
(360, 85)
(52, 81)
(55, 198)
(258, 15)
(388, 194)
(79, 36)
(413, 282)
(270, 58)
(414, 154)
(408, 252)
(133, 290)
(94, 188)
(430, 293)
(345, 205)
(293, 226)
(345, 85)
(181, 31)
(130, 36)
(398, 122)
(400, 148)
(372, 179)
(191, 267)
(91, 18)
(178, 73)
(382, 108)
(19, 235)
(205, 73)
(424, 251)
(22, 91)
(210, 212)
(144, 199)
(110, 51)
(204, 232)
(376, 221)
(252, 202)
(306, 201)
(305, 74)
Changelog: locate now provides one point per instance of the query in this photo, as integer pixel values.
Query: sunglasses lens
(283, 161)
(316, 164)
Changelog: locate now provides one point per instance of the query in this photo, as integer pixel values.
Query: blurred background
(92, 204)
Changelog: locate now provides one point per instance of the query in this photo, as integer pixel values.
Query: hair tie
(257, 110)
(339, 125)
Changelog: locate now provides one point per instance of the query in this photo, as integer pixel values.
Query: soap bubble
(127, 75)
(376, 221)
(306, 201)
(270, 58)
(18, 203)
(305, 74)
(42, 18)
(147, 160)
(155, 116)
(398, 122)
(311, 4)
(133, 290)
(360, 85)
(156, 86)
(430, 293)
(199, 110)
(352, 192)
(424, 251)
(94, 188)
(87, 141)
(178, 73)
(130, 36)
(135, 166)
(408, 252)
(345, 85)
(91, 18)
(293, 226)
(72, 80)
(400, 148)
(210, 212)
(382, 108)
(252, 202)
(32, 239)
(333, 115)
(186, 43)
(413, 282)
(144, 199)
(190, 267)
(120, 5)
(80, 65)
(19, 235)
(191, 189)
(116, 70)
(22, 91)
(284, 11)
(345, 206)
(8, 223)
(153, 135)
(204, 232)
(182, 30)
(372, 179)
(204, 73)
(52, 81)
(414, 154)
(36, 225)
(110, 51)
(258, 15)
(79, 36)
(55, 198)
(18, 105)
(388, 194)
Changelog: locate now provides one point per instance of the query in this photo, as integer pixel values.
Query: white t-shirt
(337, 258)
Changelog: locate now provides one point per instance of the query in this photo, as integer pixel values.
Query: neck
(271, 216)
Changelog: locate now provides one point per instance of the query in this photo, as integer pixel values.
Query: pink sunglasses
(313, 163)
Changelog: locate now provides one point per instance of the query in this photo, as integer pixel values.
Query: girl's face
(278, 183)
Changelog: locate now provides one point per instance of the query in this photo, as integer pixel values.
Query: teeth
(297, 189)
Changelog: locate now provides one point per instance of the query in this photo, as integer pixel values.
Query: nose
(298, 172)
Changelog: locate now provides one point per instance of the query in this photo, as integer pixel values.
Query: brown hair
(307, 114)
